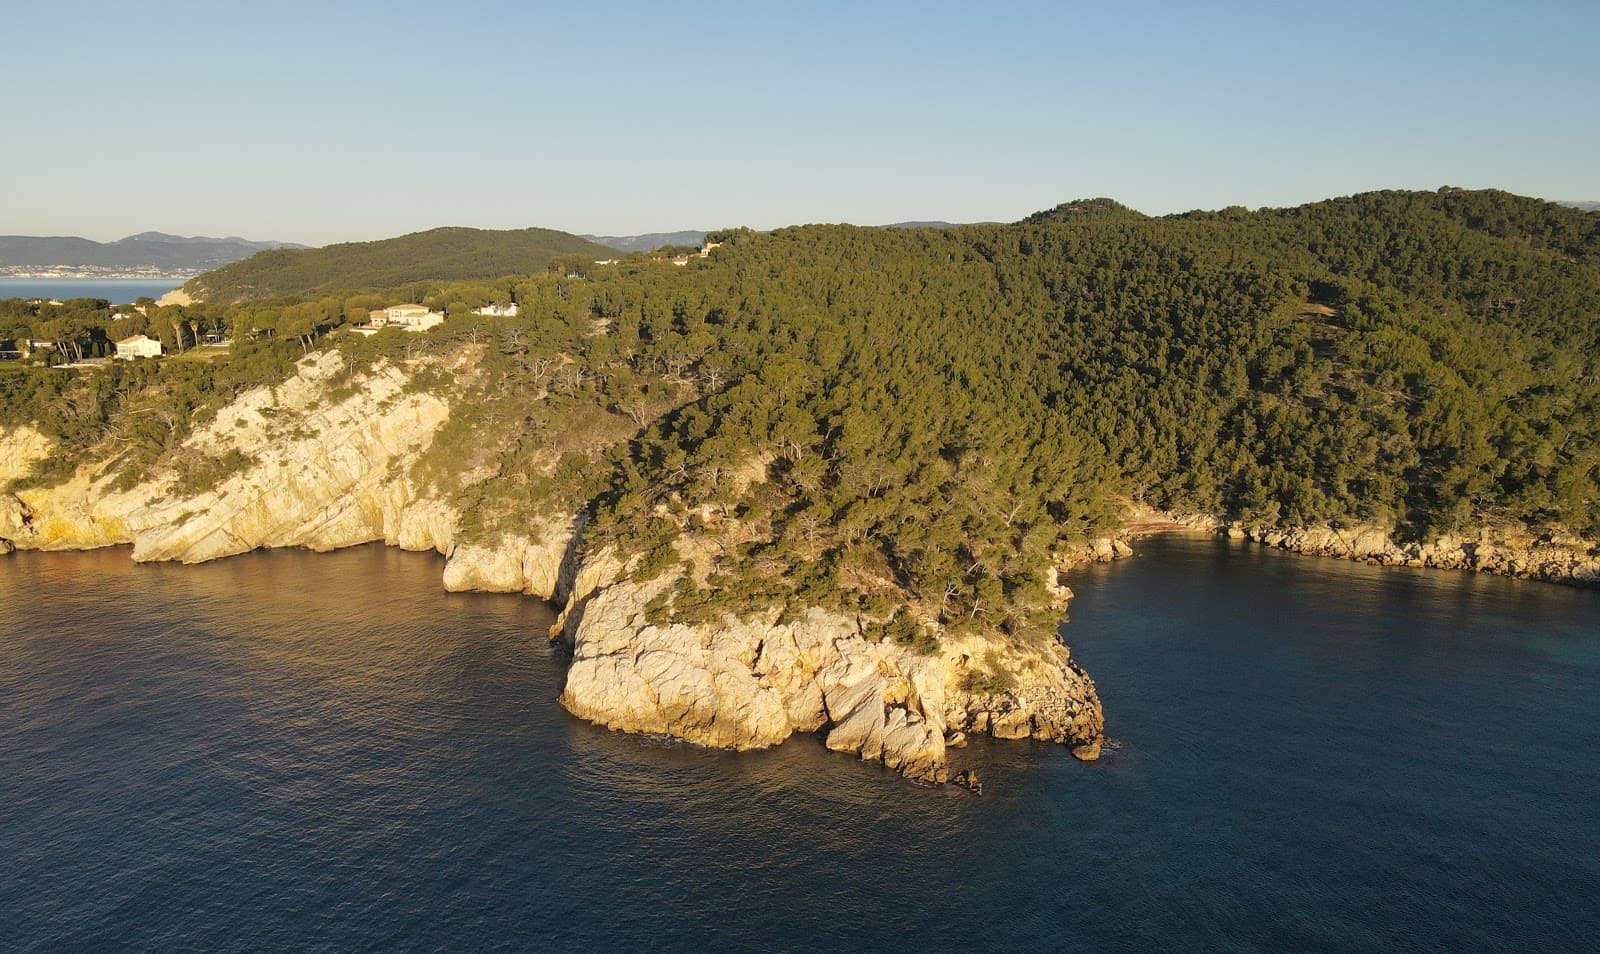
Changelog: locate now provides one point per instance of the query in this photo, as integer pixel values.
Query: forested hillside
(911, 422)
(437, 254)
(1079, 210)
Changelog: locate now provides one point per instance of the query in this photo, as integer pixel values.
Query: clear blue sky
(331, 121)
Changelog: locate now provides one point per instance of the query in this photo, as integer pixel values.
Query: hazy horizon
(315, 125)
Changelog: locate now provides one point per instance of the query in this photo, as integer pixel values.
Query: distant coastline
(118, 291)
(92, 273)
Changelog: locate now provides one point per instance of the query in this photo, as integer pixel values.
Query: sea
(326, 752)
(118, 291)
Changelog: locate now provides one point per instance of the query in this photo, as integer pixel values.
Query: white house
(138, 346)
(406, 317)
(497, 311)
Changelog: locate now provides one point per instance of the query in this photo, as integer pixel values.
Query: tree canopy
(437, 254)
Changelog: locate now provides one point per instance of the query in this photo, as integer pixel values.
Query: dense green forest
(909, 423)
(445, 253)
(1079, 210)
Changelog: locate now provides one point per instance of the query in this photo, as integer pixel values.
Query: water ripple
(298, 752)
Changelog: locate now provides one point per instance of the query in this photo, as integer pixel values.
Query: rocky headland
(320, 463)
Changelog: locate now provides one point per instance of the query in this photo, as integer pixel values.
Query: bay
(294, 751)
(118, 291)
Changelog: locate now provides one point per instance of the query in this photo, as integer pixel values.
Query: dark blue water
(300, 752)
(118, 291)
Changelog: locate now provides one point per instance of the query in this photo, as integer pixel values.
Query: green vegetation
(983, 682)
(437, 254)
(906, 425)
(1081, 210)
(200, 473)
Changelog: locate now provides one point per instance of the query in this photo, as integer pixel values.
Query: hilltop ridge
(441, 254)
(1081, 210)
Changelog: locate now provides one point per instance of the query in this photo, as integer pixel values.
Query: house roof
(133, 339)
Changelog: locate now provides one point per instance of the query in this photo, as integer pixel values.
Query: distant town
(108, 272)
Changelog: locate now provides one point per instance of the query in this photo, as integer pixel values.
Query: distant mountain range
(152, 254)
(1582, 205)
(649, 241)
(931, 225)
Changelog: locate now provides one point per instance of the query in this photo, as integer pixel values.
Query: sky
(334, 121)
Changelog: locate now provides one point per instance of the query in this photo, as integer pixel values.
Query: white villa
(497, 311)
(138, 346)
(406, 317)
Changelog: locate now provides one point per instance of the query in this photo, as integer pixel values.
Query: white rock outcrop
(529, 563)
(751, 683)
(317, 472)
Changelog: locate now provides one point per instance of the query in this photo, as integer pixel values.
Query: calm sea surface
(118, 291)
(326, 752)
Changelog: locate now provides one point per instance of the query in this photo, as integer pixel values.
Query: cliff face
(750, 683)
(530, 563)
(307, 471)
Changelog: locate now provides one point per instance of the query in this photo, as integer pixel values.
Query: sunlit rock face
(751, 683)
(528, 562)
(321, 473)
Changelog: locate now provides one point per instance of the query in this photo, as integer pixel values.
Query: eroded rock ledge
(1553, 558)
(319, 473)
(1499, 550)
(751, 683)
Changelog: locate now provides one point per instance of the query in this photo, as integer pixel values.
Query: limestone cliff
(305, 469)
(529, 562)
(750, 683)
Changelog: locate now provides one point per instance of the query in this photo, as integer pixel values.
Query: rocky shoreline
(325, 473)
(1498, 550)
(326, 467)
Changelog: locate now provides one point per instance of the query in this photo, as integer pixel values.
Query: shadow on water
(287, 750)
